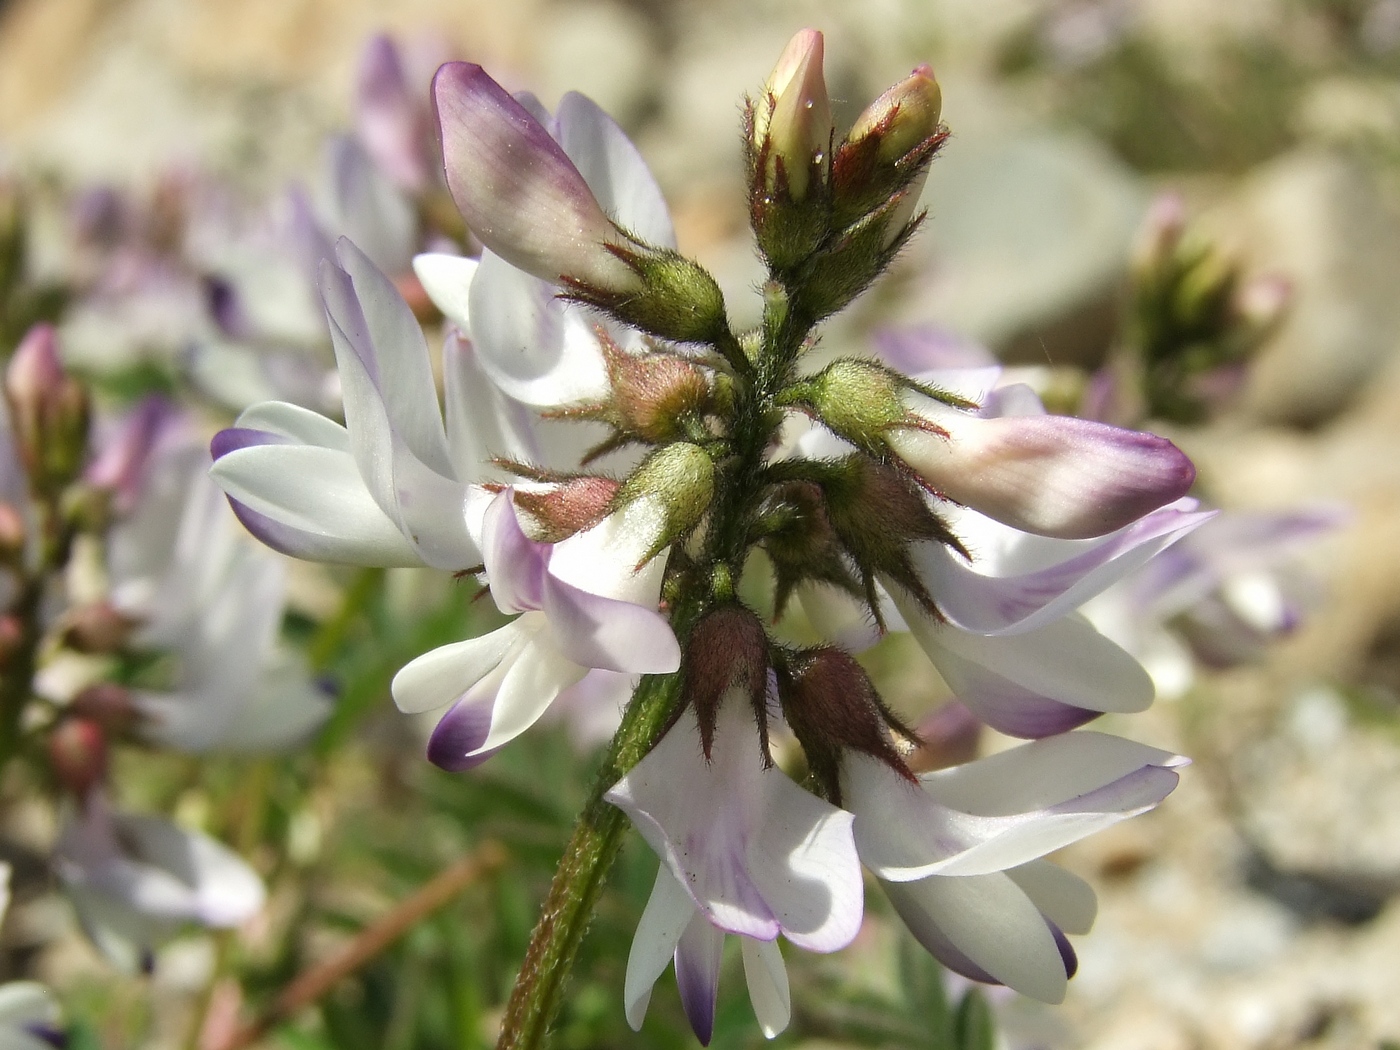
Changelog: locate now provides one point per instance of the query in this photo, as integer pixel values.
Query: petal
(614, 170)
(538, 675)
(535, 347)
(439, 677)
(1066, 662)
(991, 922)
(311, 503)
(698, 956)
(768, 985)
(989, 603)
(1051, 475)
(612, 635)
(515, 186)
(25, 1003)
(1002, 811)
(299, 426)
(700, 816)
(447, 279)
(389, 117)
(805, 864)
(604, 559)
(482, 423)
(668, 912)
(226, 892)
(391, 409)
(515, 564)
(367, 208)
(1062, 897)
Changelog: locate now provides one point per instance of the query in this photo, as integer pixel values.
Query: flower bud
(889, 149)
(98, 628)
(48, 411)
(678, 480)
(1261, 302)
(857, 399)
(12, 534)
(78, 754)
(791, 129)
(1160, 234)
(727, 651)
(107, 704)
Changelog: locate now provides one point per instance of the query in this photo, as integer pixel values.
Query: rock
(1021, 232)
(1319, 220)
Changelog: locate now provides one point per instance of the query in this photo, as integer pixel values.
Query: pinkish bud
(11, 638)
(12, 534)
(107, 704)
(901, 120)
(791, 131)
(48, 410)
(1261, 302)
(1160, 233)
(78, 754)
(98, 628)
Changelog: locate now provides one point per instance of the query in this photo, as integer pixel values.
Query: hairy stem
(582, 870)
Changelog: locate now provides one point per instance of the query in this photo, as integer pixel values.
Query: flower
(1219, 598)
(392, 118)
(207, 594)
(958, 853)
(1006, 636)
(29, 1014)
(135, 880)
(389, 487)
(587, 612)
(743, 851)
(539, 221)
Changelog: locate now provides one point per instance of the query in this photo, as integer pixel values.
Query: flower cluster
(607, 456)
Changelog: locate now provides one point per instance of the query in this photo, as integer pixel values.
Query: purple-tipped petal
(122, 463)
(515, 564)
(1050, 475)
(231, 439)
(455, 742)
(516, 187)
(989, 603)
(698, 957)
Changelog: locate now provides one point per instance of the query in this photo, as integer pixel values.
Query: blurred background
(1257, 908)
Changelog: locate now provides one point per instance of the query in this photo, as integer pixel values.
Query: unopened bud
(48, 410)
(559, 511)
(654, 394)
(889, 149)
(12, 534)
(1160, 233)
(98, 628)
(831, 705)
(679, 480)
(107, 704)
(1262, 301)
(78, 754)
(727, 651)
(11, 638)
(791, 127)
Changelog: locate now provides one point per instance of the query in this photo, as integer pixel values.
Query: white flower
(959, 852)
(135, 880)
(743, 851)
(587, 623)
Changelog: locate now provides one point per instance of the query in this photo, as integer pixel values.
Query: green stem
(583, 869)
